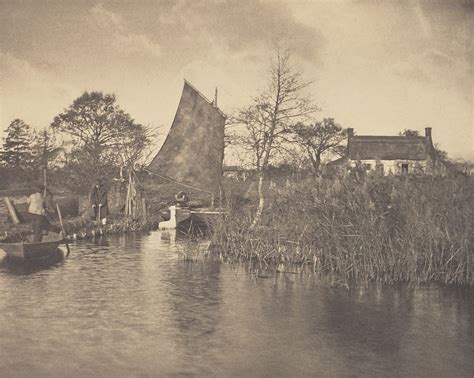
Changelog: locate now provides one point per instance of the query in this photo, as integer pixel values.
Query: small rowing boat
(19, 249)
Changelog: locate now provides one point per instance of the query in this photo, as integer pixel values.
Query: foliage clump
(388, 229)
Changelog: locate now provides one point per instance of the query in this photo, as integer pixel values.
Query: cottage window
(367, 167)
(405, 168)
(379, 168)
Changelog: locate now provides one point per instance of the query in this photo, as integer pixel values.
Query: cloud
(106, 18)
(13, 66)
(441, 58)
(121, 39)
(20, 82)
(136, 44)
(32, 77)
(436, 69)
(245, 25)
(422, 20)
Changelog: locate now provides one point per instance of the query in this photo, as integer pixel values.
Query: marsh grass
(385, 229)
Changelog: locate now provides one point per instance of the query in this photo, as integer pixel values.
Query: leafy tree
(104, 135)
(268, 119)
(440, 154)
(17, 145)
(82, 169)
(409, 133)
(96, 122)
(132, 146)
(45, 148)
(318, 139)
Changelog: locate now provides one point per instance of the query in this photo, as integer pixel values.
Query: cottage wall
(393, 166)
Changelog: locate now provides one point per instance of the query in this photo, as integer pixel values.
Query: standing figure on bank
(36, 214)
(99, 202)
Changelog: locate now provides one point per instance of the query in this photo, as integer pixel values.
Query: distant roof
(370, 147)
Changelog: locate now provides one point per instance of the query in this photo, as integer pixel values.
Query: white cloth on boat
(36, 204)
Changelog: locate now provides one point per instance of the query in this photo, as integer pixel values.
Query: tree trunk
(261, 200)
(317, 164)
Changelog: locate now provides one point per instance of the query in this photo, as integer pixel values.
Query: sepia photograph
(236, 188)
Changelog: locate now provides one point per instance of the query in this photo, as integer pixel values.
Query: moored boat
(192, 157)
(27, 250)
(188, 220)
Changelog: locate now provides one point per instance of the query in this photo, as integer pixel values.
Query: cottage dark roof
(370, 147)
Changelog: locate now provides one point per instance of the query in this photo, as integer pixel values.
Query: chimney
(428, 132)
(350, 134)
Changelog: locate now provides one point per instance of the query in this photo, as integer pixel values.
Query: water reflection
(158, 305)
(20, 267)
(366, 328)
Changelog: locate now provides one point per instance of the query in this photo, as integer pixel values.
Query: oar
(62, 228)
(100, 220)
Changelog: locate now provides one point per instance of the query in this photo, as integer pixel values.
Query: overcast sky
(378, 66)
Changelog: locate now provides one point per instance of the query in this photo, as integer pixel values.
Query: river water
(131, 306)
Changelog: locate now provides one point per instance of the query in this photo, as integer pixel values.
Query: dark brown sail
(193, 151)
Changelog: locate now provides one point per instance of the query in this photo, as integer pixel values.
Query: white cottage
(390, 154)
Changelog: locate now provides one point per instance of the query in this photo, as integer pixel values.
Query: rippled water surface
(131, 306)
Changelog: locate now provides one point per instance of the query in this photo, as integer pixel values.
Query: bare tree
(268, 119)
(318, 139)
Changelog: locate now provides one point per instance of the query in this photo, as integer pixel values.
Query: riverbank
(385, 229)
(79, 228)
(76, 213)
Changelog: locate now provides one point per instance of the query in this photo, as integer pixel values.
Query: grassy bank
(80, 228)
(387, 229)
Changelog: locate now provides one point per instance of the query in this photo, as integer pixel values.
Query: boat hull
(187, 221)
(29, 251)
(198, 222)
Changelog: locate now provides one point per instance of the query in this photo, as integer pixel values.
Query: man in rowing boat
(36, 214)
(99, 202)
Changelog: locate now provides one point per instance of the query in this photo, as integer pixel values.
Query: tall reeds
(388, 229)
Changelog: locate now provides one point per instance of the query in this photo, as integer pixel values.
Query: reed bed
(385, 229)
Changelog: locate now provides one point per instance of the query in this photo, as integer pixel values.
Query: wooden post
(220, 197)
(144, 208)
(45, 182)
(62, 229)
(11, 210)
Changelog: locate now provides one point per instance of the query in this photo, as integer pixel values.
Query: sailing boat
(192, 154)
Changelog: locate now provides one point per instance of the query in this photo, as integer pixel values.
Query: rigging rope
(179, 183)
